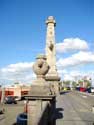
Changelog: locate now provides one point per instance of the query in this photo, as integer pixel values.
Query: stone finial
(41, 67)
(50, 20)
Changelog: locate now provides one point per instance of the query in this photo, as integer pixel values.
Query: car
(83, 89)
(22, 119)
(68, 88)
(10, 100)
(17, 98)
(88, 89)
(92, 90)
(77, 88)
(65, 88)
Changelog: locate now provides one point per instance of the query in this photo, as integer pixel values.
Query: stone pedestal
(40, 101)
(40, 109)
(34, 111)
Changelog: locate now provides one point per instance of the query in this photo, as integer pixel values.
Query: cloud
(17, 67)
(76, 75)
(20, 72)
(60, 71)
(77, 59)
(68, 77)
(72, 44)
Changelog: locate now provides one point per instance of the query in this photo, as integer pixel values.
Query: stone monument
(41, 101)
(52, 76)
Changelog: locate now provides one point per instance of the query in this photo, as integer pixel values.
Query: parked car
(77, 88)
(17, 98)
(10, 100)
(68, 88)
(92, 90)
(82, 89)
(65, 88)
(88, 89)
(22, 119)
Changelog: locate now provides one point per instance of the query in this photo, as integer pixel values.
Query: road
(75, 108)
(11, 112)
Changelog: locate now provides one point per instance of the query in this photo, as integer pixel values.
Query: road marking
(79, 110)
(83, 110)
(84, 96)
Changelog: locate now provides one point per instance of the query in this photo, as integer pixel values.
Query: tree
(80, 83)
(74, 84)
(66, 83)
(88, 83)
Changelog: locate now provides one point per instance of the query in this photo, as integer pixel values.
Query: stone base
(54, 85)
(40, 90)
(53, 81)
(52, 78)
(40, 109)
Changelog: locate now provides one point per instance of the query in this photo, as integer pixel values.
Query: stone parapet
(40, 109)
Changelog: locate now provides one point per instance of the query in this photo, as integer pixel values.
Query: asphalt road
(75, 108)
(11, 112)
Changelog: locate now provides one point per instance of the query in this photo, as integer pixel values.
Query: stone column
(34, 111)
(39, 97)
(52, 76)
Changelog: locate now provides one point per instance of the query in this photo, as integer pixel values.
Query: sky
(23, 37)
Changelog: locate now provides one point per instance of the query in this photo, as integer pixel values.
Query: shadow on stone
(46, 117)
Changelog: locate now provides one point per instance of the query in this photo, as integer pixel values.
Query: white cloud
(77, 59)
(17, 67)
(68, 77)
(76, 75)
(72, 44)
(20, 72)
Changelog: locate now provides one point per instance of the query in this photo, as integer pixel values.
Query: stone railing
(41, 110)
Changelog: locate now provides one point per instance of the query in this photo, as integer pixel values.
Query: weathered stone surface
(41, 67)
(39, 110)
(40, 90)
(52, 74)
(40, 86)
(42, 95)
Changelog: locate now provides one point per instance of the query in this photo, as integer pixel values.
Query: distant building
(15, 90)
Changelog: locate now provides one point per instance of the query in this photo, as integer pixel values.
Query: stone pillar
(52, 75)
(39, 97)
(41, 110)
(34, 111)
(31, 112)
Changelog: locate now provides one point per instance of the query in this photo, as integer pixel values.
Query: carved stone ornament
(41, 67)
(51, 46)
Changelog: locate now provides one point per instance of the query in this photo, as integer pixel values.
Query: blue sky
(23, 30)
